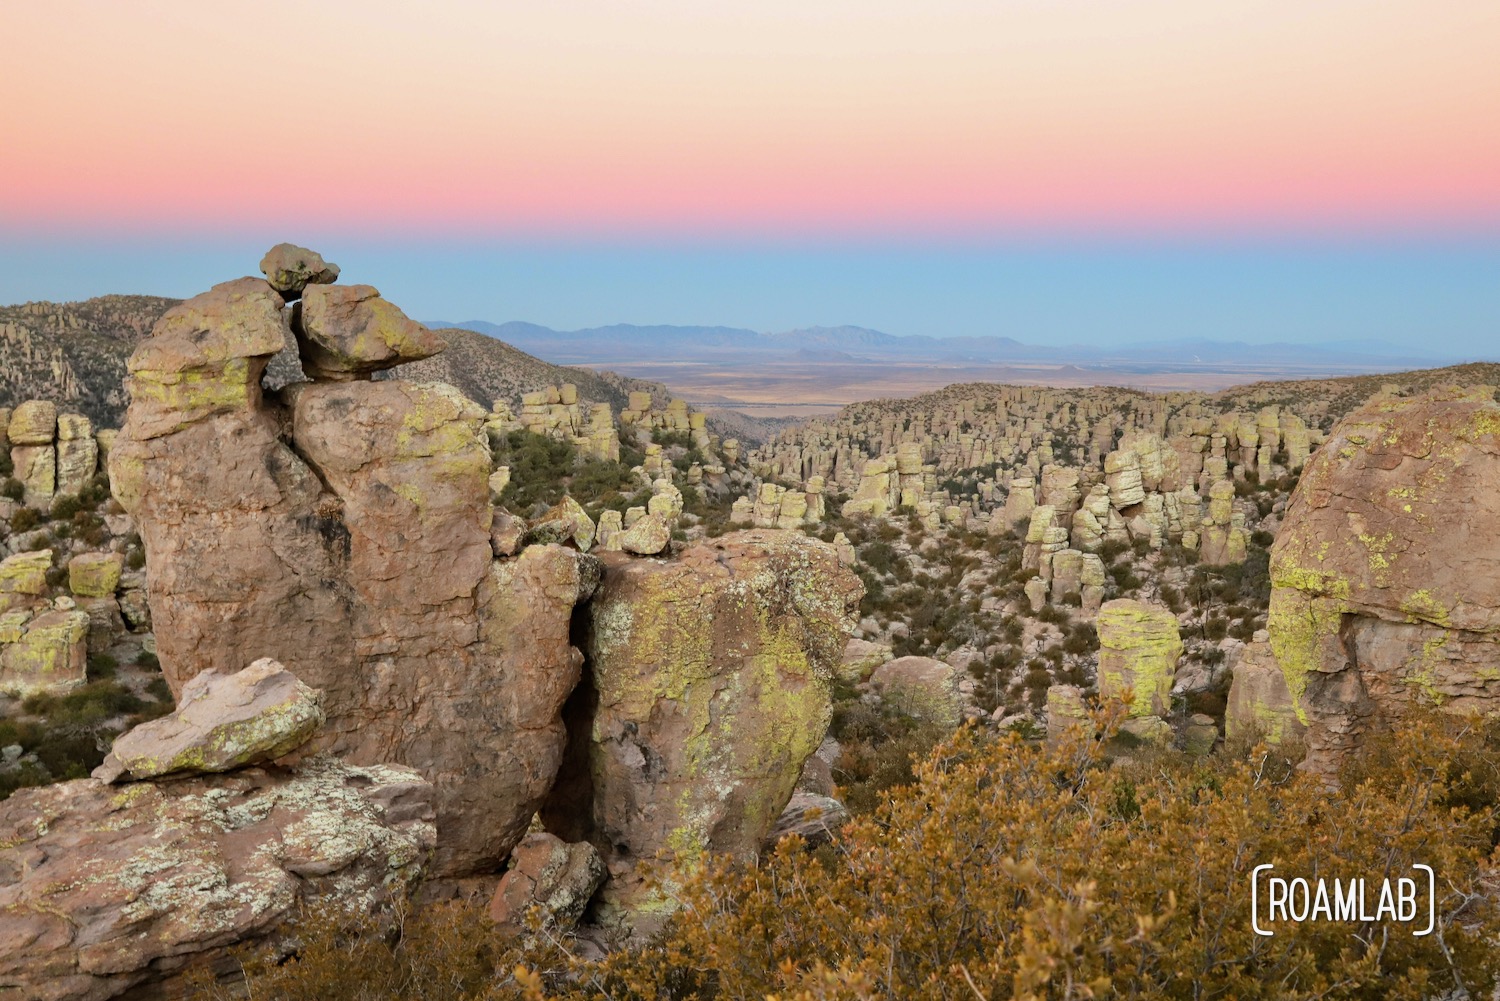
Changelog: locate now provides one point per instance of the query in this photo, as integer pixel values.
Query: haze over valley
(817, 370)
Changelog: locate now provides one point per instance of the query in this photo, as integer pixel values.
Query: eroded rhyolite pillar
(343, 528)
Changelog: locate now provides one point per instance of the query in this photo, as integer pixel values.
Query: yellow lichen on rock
(1139, 647)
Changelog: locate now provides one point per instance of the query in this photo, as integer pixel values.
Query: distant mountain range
(623, 341)
(74, 354)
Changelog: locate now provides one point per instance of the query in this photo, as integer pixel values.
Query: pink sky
(586, 117)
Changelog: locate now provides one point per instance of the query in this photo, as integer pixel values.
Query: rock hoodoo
(1138, 650)
(344, 527)
(1386, 572)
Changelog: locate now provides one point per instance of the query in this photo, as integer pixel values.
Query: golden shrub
(1012, 869)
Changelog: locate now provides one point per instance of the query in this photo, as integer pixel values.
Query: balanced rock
(361, 559)
(1138, 651)
(33, 423)
(922, 688)
(348, 331)
(1385, 588)
(204, 357)
(290, 269)
(710, 683)
(23, 576)
(222, 722)
(103, 891)
(549, 873)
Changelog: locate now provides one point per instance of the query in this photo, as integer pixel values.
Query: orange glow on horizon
(590, 116)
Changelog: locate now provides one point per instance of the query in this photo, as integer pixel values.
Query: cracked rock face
(103, 888)
(343, 529)
(1386, 571)
(709, 685)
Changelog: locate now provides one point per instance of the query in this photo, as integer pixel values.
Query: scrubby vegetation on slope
(1018, 869)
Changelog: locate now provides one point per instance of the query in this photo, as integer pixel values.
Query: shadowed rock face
(103, 888)
(343, 528)
(710, 682)
(1386, 572)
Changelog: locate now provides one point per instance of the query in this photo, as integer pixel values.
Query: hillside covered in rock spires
(320, 678)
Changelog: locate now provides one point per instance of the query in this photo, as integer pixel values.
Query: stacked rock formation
(641, 413)
(47, 631)
(1112, 465)
(343, 527)
(43, 646)
(775, 506)
(1139, 647)
(1384, 588)
(558, 413)
(50, 453)
(340, 528)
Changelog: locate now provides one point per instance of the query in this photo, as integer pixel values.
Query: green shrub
(65, 506)
(12, 487)
(87, 705)
(102, 666)
(24, 520)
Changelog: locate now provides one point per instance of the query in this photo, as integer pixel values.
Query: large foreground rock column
(343, 529)
(708, 686)
(1386, 571)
